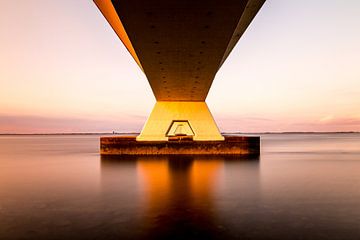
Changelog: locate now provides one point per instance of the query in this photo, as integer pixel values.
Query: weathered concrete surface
(180, 45)
(232, 145)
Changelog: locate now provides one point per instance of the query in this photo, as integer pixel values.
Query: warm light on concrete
(180, 46)
(164, 113)
(107, 9)
(231, 145)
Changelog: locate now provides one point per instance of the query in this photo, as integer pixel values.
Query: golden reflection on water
(167, 179)
(155, 177)
(174, 193)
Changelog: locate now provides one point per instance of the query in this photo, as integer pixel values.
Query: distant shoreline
(118, 133)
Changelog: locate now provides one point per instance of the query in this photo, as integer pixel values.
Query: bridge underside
(180, 45)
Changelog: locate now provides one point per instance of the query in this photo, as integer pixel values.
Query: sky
(63, 69)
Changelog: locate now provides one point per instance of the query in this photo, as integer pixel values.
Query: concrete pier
(180, 46)
(232, 145)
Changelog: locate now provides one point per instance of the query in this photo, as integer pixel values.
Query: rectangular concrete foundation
(232, 145)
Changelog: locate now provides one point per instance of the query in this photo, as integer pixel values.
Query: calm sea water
(304, 186)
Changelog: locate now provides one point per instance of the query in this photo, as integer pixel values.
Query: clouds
(39, 124)
(341, 122)
(257, 125)
(64, 70)
(133, 123)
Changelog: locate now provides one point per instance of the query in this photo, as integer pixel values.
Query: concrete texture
(232, 145)
(197, 114)
(180, 44)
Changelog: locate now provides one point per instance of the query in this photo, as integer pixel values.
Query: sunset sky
(63, 69)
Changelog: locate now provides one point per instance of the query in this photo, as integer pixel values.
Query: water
(305, 186)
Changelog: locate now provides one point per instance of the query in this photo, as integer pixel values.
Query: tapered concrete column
(180, 46)
(187, 118)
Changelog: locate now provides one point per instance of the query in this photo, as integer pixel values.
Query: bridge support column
(169, 119)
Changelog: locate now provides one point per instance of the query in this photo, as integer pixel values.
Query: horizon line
(136, 133)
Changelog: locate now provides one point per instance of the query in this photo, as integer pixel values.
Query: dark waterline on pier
(304, 186)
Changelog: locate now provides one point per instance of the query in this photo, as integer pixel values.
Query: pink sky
(63, 69)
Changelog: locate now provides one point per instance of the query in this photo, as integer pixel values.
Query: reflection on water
(305, 186)
(177, 193)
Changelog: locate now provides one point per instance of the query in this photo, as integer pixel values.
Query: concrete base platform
(232, 145)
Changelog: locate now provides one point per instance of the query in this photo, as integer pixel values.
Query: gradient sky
(63, 69)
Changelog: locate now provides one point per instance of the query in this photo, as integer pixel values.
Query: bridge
(180, 45)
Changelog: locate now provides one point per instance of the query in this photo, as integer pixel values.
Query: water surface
(303, 186)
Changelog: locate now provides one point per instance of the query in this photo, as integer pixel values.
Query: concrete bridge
(180, 45)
